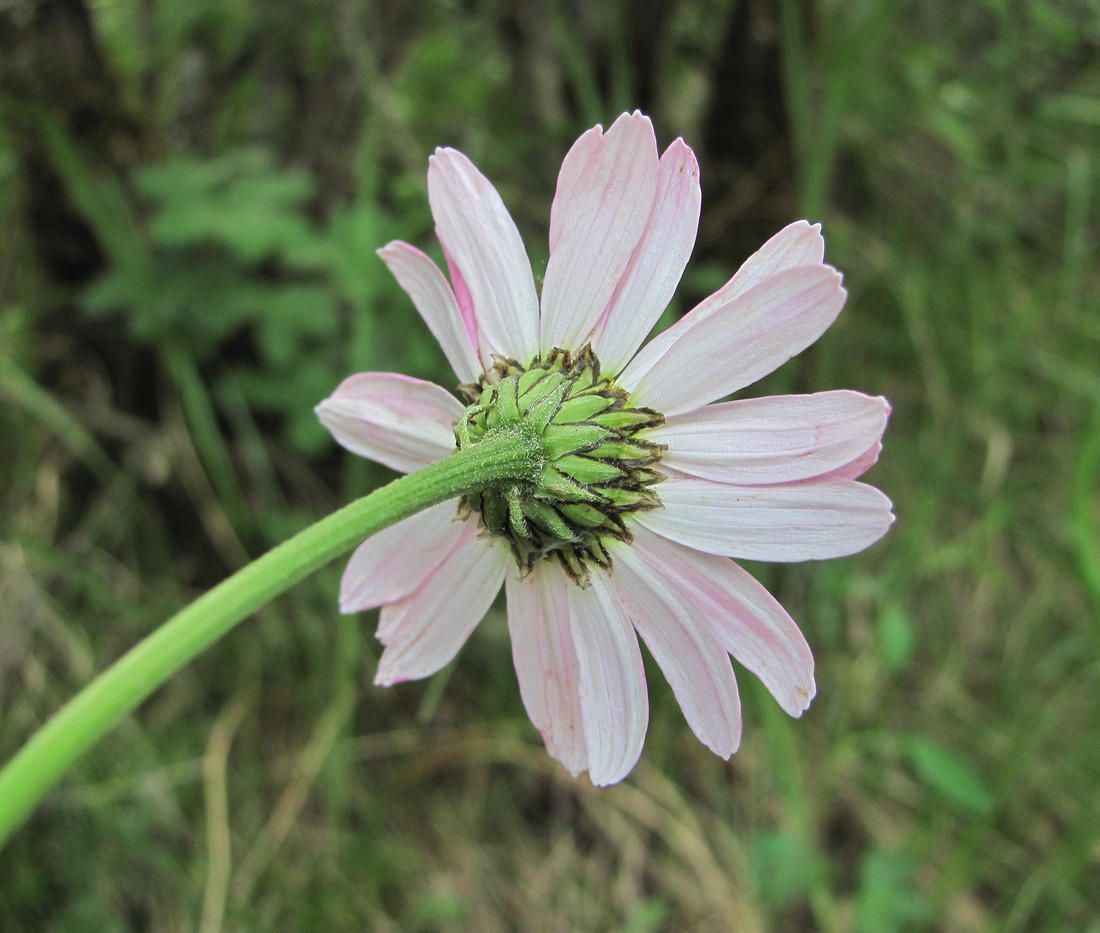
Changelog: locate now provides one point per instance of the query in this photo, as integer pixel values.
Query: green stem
(119, 689)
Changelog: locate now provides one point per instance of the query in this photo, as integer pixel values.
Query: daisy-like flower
(648, 489)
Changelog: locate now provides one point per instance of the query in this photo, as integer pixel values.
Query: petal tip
(393, 247)
(605, 780)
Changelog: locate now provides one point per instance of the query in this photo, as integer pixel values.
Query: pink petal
(707, 355)
(797, 244)
(424, 631)
(462, 296)
(773, 440)
(859, 466)
(606, 191)
(811, 520)
(432, 295)
(483, 243)
(611, 682)
(658, 261)
(685, 645)
(398, 421)
(546, 662)
(396, 561)
(748, 621)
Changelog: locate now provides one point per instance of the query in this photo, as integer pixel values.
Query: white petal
(606, 191)
(658, 262)
(462, 295)
(401, 422)
(749, 622)
(612, 681)
(810, 520)
(773, 440)
(707, 355)
(685, 645)
(424, 631)
(484, 244)
(860, 465)
(797, 244)
(546, 662)
(433, 297)
(395, 562)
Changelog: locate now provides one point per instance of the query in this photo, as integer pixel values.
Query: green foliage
(239, 201)
(896, 637)
(784, 866)
(157, 429)
(231, 251)
(948, 774)
(887, 901)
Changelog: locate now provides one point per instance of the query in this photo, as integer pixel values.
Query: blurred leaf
(292, 395)
(784, 866)
(896, 637)
(648, 914)
(440, 909)
(886, 902)
(948, 774)
(240, 200)
(291, 316)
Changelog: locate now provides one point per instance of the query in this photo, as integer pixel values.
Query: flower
(652, 489)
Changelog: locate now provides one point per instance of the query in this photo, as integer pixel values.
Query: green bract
(597, 468)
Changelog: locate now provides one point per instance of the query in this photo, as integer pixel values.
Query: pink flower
(770, 479)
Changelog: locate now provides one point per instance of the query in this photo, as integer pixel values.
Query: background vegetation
(191, 192)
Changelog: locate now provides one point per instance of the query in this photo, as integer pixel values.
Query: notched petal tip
(482, 240)
(804, 696)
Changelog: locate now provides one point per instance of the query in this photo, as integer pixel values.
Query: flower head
(649, 487)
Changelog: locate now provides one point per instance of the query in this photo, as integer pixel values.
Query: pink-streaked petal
(859, 466)
(462, 296)
(546, 662)
(797, 244)
(749, 622)
(431, 293)
(705, 356)
(658, 261)
(584, 151)
(773, 440)
(611, 681)
(685, 645)
(484, 245)
(394, 562)
(606, 191)
(424, 631)
(398, 421)
(811, 520)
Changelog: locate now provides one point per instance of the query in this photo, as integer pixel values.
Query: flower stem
(117, 691)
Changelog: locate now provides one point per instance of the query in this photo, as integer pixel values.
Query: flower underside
(597, 468)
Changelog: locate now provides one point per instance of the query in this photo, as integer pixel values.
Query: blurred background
(191, 193)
